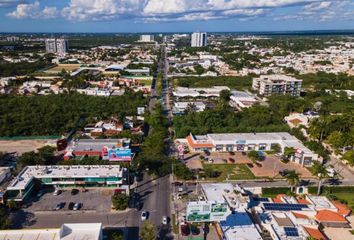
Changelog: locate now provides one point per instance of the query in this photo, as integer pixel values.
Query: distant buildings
(199, 39)
(268, 85)
(56, 45)
(181, 107)
(183, 92)
(146, 38)
(241, 99)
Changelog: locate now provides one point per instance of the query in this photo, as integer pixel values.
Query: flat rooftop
(240, 226)
(96, 144)
(215, 191)
(62, 171)
(84, 231)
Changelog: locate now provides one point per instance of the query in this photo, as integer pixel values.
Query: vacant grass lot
(231, 171)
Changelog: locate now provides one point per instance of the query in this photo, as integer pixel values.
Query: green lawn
(233, 171)
(347, 197)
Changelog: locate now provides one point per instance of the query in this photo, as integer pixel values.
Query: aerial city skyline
(174, 15)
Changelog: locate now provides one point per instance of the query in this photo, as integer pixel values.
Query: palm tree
(320, 171)
(293, 178)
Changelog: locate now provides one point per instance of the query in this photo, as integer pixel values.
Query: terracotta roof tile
(315, 233)
(299, 215)
(342, 208)
(329, 216)
(303, 201)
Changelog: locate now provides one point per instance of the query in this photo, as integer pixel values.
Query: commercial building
(77, 231)
(181, 107)
(146, 38)
(268, 85)
(108, 149)
(241, 99)
(182, 92)
(199, 39)
(56, 45)
(225, 142)
(64, 176)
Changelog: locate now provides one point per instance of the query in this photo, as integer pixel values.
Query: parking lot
(91, 200)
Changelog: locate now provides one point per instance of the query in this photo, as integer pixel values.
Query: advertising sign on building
(118, 154)
(207, 212)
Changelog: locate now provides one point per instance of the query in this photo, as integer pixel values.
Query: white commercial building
(56, 45)
(199, 39)
(225, 142)
(241, 99)
(64, 176)
(181, 107)
(146, 38)
(72, 231)
(199, 92)
(268, 85)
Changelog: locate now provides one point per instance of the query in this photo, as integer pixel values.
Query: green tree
(335, 139)
(320, 172)
(225, 95)
(293, 178)
(289, 152)
(5, 221)
(349, 156)
(148, 231)
(120, 201)
(254, 156)
(116, 236)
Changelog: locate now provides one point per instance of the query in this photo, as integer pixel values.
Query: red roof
(342, 208)
(315, 233)
(278, 199)
(329, 216)
(192, 144)
(303, 201)
(299, 215)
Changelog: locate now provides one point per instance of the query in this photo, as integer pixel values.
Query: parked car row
(71, 206)
(187, 229)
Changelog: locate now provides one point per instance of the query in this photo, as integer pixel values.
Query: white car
(77, 206)
(164, 220)
(57, 192)
(210, 160)
(144, 215)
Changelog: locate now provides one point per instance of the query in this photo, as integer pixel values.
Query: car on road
(59, 206)
(185, 230)
(57, 192)
(284, 172)
(232, 160)
(210, 160)
(250, 165)
(165, 220)
(144, 215)
(74, 191)
(77, 206)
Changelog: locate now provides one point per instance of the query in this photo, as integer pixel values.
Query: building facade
(87, 176)
(268, 85)
(199, 39)
(226, 142)
(56, 45)
(146, 38)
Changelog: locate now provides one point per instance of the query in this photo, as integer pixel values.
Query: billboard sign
(119, 154)
(207, 212)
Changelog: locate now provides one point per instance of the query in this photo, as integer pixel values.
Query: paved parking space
(92, 200)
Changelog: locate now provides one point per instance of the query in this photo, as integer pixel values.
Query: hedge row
(275, 191)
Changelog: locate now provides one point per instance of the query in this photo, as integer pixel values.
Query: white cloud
(34, 11)
(173, 10)
(10, 3)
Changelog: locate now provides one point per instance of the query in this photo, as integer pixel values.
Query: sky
(174, 15)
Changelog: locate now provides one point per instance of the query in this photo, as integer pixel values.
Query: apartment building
(268, 85)
(199, 39)
(56, 45)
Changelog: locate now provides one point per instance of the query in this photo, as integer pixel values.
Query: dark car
(250, 165)
(244, 153)
(232, 160)
(59, 206)
(74, 191)
(185, 230)
(195, 230)
(71, 205)
(177, 183)
(284, 172)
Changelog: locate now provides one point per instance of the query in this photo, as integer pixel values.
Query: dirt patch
(22, 146)
(271, 166)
